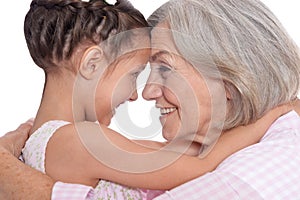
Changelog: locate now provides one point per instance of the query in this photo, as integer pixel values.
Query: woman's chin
(168, 135)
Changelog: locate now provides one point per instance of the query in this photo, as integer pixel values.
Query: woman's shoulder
(280, 145)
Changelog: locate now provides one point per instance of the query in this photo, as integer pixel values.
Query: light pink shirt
(269, 169)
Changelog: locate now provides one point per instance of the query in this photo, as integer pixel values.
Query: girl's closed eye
(136, 74)
(137, 71)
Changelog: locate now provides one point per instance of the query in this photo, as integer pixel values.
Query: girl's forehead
(135, 59)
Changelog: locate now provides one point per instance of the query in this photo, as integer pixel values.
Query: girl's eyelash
(136, 74)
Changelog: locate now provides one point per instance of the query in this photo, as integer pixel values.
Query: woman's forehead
(164, 48)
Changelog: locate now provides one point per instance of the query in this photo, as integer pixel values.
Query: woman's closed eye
(164, 70)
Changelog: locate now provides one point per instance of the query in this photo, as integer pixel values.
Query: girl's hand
(252, 133)
(296, 106)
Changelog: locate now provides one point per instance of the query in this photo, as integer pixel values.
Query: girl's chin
(113, 112)
(106, 121)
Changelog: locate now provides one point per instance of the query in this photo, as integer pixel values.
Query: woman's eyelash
(163, 68)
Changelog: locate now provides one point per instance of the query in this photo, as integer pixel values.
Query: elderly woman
(229, 58)
(241, 44)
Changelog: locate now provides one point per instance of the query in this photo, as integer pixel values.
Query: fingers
(287, 107)
(284, 109)
(30, 121)
(14, 141)
(25, 127)
(20, 135)
(296, 106)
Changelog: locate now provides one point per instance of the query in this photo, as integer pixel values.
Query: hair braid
(54, 28)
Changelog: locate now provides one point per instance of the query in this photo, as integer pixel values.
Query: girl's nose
(134, 96)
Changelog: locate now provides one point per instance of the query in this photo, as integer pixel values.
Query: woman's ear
(228, 92)
(91, 62)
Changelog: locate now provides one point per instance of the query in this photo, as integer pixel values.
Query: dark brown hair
(54, 28)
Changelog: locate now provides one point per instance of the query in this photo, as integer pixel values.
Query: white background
(21, 81)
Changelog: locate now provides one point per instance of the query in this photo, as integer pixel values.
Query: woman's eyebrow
(158, 54)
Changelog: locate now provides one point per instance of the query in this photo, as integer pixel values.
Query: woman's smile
(167, 111)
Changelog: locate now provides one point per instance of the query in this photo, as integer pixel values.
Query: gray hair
(258, 62)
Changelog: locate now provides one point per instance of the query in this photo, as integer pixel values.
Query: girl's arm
(234, 139)
(243, 136)
(84, 154)
(186, 147)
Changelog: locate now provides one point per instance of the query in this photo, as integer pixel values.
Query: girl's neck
(57, 102)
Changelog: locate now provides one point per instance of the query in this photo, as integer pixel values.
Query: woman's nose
(152, 91)
(134, 96)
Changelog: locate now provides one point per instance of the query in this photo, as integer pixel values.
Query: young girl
(91, 68)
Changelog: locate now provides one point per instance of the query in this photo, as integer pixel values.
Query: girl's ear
(91, 62)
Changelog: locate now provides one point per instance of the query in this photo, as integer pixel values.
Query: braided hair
(54, 28)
